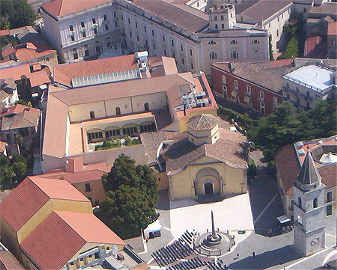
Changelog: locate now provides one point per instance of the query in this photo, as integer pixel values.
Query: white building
(194, 38)
(309, 84)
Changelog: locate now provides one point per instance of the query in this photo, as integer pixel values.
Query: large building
(194, 38)
(307, 85)
(207, 159)
(255, 86)
(289, 161)
(132, 99)
(54, 227)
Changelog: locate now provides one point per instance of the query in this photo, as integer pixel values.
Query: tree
(16, 13)
(129, 206)
(20, 170)
(286, 125)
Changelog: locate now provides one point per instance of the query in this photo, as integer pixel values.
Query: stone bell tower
(309, 216)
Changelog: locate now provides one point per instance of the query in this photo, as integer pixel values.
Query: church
(209, 158)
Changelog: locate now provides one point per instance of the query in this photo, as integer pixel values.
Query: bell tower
(309, 216)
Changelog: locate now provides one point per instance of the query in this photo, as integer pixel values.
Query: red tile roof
(2, 146)
(287, 167)
(39, 77)
(70, 232)
(15, 72)
(4, 32)
(64, 73)
(25, 200)
(332, 29)
(31, 53)
(9, 262)
(53, 243)
(28, 198)
(78, 177)
(65, 7)
(18, 108)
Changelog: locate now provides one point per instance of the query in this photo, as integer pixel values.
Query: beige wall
(234, 180)
(97, 192)
(9, 238)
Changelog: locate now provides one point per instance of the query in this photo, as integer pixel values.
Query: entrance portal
(208, 188)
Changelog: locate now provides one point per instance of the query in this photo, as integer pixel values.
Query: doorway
(208, 188)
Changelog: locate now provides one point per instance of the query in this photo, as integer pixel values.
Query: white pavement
(233, 214)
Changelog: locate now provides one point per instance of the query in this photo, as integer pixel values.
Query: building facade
(307, 85)
(332, 40)
(194, 38)
(253, 85)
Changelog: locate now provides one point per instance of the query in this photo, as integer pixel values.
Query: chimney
(74, 164)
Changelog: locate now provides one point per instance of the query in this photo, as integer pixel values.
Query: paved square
(231, 214)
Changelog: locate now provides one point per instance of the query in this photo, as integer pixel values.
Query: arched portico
(207, 181)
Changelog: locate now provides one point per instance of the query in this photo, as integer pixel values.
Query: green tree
(6, 177)
(129, 206)
(20, 170)
(16, 13)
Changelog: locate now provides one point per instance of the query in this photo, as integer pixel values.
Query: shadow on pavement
(265, 203)
(267, 259)
(163, 200)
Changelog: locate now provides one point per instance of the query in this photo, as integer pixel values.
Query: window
(122, 17)
(118, 111)
(105, 17)
(137, 38)
(222, 26)
(192, 66)
(215, 18)
(262, 108)
(146, 107)
(108, 42)
(111, 133)
(84, 34)
(98, 47)
(333, 42)
(255, 41)
(93, 20)
(233, 41)
(183, 61)
(292, 205)
(95, 31)
(82, 24)
(86, 50)
(249, 89)
(211, 42)
(299, 202)
(329, 210)
(71, 27)
(165, 52)
(236, 84)
(329, 196)
(261, 94)
(129, 22)
(92, 114)
(222, 18)
(234, 54)
(224, 79)
(181, 48)
(213, 55)
(106, 27)
(216, 26)
(163, 38)
(299, 220)
(72, 37)
(145, 29)
(152, 33)
(136, 24)
(154, 46)
(87, 187)
(115, 14)
(315, 203)
(75, 54)
(130, 34)
(116, 24)
(172, 42)
(277, 33)
(191, 52)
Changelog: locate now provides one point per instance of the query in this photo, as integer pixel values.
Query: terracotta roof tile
(25, 200)
(202, 121)
(332, 29)
(53, 243)
(65, 72)
(9, 262)
(65, 7)
(78, 177)
(327, 8)
(2, 146)
(329, 174)
(187, 17)
(15, 72)
(39, 77)
(18, 108)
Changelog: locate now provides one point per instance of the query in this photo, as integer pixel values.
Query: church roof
(308, 174)
(202, 121)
